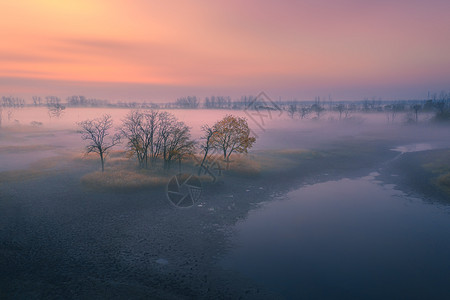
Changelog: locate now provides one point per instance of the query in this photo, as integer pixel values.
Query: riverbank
(425, 173)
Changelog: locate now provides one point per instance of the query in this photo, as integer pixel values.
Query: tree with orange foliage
(232, 134)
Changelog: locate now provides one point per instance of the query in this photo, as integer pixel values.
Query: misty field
(225, 149)
(67, 228)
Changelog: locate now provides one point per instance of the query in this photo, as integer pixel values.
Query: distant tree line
(188, 102)
(84, 101)
(12, 102)
(71, 101)
(437, 103)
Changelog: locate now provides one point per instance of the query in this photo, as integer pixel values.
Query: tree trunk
(203, 161)
(228, 160)
(145, 160)
(103, 161)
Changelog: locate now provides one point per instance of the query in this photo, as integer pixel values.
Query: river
(346, 239)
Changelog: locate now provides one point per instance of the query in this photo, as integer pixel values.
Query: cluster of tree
(52, 101)
(37, 101)
(73, 101)
(392, 110)
(188, 102)
(345, 111)
(442, 105)
(219, 102)
(214, 102)
(439, 104)
(244, 102)
(315, 109)
(151, 135)
(135, 105)
(54, 105)
(76, 100)
(12, 102)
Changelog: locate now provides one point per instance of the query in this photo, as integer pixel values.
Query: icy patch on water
(415, 147)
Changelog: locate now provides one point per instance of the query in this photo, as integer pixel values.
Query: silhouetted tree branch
(95, 132)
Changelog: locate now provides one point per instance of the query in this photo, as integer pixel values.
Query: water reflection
(346, 239)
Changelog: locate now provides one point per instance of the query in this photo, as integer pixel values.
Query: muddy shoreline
(409, 175)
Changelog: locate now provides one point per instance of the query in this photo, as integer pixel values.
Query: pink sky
(160, 50)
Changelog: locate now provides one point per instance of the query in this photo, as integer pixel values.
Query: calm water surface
(346, 239)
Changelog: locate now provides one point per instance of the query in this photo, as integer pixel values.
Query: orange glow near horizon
(287, 44)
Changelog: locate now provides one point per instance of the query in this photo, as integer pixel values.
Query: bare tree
(416, 109)
(179, 144)
(291, 110)
(56, 110)
(166, 122)
(151, 128)
(95, 132)
(132, 132)
(13, 101)
(442, 106)
(304, 112)
(392, 111)
(37, 100)
(188, 102)
(232, 135)
(140, 128)
(208, 133)
(52, 100)
(317, 108)
(152, 133)
(340, 108)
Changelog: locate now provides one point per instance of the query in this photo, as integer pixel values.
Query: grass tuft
(444, 181)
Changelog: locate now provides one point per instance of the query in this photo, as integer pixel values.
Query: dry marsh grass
(244, 166)
(121, 173)
(444, 180)
(438, 163)
(279, 160)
